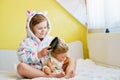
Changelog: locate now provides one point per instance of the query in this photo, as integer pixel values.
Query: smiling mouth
(42, 33)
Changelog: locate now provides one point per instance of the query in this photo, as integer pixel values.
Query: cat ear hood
(30, 15)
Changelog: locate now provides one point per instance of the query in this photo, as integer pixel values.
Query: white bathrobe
(31, 45)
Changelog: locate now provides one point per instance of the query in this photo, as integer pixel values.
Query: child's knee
(46, 70)
(21, 68)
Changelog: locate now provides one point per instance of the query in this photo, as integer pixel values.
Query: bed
(86, 69)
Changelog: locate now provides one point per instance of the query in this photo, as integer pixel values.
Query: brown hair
(61, 49)
(38, 18)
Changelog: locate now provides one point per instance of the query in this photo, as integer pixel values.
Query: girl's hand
(44, 52)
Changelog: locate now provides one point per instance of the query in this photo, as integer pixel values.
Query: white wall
(105, 48)
(8, 59)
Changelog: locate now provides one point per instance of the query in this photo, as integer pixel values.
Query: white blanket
(88, 70)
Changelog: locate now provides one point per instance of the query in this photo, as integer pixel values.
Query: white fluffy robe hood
(29, 32)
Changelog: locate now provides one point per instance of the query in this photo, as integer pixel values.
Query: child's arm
(44, 52)
(49, 64)
(27, 51)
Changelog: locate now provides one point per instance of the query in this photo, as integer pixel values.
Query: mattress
(7, 75)
(89, 70)
(86, 69)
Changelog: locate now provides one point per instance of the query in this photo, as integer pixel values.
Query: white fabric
(103, 13)
(88, 70)
(57, 65)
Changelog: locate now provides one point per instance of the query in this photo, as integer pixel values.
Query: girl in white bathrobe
(33, 50)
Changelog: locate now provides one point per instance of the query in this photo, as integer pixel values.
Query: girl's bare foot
(60, 75)
(70, 75)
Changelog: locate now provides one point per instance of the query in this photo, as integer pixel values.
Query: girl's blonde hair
(62, 48)
(38, 18)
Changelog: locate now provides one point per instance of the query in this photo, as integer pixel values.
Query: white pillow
(7, 59)
(75, 50)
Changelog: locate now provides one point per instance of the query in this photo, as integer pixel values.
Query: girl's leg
(29, 72)
(71, 68)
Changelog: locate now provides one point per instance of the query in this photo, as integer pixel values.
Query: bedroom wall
(13, 21)
(106, 48)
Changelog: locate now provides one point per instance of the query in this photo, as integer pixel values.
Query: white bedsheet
(88, 70)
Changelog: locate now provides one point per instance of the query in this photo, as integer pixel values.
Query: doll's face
(61, 57)
(40, 30)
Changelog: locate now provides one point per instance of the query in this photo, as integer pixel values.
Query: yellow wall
(13, 21)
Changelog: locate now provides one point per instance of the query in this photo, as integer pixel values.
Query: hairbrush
(54, 44)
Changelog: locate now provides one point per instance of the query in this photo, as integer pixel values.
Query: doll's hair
(36, 19)
(61, 48)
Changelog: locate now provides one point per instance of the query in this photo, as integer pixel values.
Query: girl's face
(61, 57)
(40, 30)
